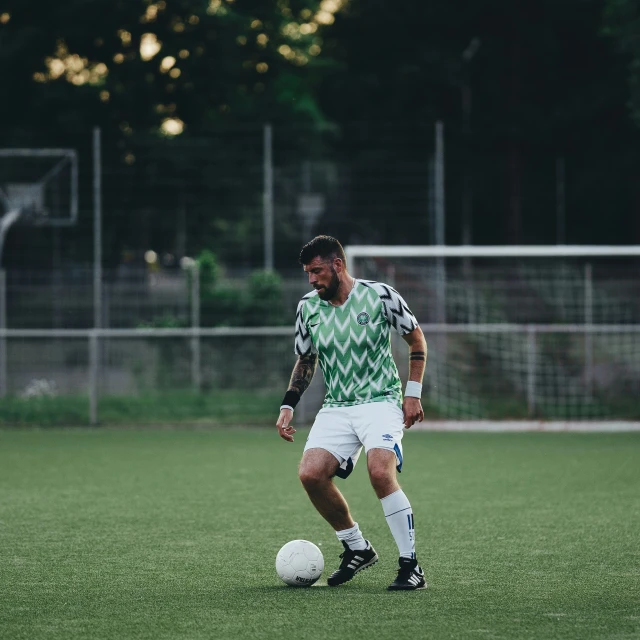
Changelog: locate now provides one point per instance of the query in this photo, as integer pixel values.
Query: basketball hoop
(38, 187)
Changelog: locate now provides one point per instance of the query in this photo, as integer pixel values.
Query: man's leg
(316, 472)
(395, 504)
(399, 514)
(381, 464)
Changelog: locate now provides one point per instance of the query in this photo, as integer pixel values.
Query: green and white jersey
(353, 342)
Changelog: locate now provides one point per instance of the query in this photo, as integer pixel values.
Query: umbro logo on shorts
(387, 437)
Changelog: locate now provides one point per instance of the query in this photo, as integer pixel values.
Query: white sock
(353, 537)
(399, 515)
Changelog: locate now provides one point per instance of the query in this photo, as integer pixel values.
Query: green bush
(260, 303)
(210, 271)
(264, 300)
(222, 307)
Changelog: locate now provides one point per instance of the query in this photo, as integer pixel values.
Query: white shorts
(344, 431)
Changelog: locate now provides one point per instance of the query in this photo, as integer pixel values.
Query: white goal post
(548, 336)
(497, 251)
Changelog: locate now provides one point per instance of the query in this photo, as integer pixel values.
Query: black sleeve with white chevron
(303, 343)
(397, 311)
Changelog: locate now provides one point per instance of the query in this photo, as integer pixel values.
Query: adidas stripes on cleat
(410, 576)
(352, 562)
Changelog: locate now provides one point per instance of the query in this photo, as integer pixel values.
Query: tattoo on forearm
(303, 373)
(417, 363)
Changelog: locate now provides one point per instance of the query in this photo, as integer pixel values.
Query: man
(345, 323)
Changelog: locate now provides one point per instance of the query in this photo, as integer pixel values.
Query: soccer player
(345, 324)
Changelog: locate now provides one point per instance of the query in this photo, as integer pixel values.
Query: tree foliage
(622, 23)
(135, 64)
(545, 84)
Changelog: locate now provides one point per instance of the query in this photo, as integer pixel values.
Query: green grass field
(161, 534)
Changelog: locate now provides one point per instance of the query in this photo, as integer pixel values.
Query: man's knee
(312, 477)
(316, 469)
(382, 471)
(381, 475)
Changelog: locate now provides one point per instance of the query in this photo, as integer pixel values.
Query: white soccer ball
(299, 563)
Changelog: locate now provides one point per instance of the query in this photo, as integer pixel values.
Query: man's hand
(412, 411)
(286, 432)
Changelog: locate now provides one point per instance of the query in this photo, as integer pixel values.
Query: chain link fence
(166, 200)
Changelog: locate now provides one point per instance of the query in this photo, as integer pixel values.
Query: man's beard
(331, 289)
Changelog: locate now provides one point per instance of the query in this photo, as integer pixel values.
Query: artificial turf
(165, 534)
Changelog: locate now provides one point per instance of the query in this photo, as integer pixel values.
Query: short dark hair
(322, 247)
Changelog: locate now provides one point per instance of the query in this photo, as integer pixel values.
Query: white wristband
(286, 406)
(413, 390)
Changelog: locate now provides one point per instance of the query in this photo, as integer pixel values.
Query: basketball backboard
(41, 185)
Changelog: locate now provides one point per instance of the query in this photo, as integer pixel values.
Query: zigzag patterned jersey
(353, 342)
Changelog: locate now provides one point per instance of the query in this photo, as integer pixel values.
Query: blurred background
(162, 163)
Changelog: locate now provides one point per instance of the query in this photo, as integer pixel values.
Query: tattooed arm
(301, 377)
(302, 373)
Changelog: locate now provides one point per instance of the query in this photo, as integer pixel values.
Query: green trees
(546, 89)
(549, 86)
(158, 65)
(622, 23)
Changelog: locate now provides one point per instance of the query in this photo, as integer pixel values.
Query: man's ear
(338, 265)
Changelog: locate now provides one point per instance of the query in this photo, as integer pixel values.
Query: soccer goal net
(551, 333)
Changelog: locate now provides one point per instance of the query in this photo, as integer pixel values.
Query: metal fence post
(93, 377)
(588, 335)
(97, 228)
(196, 377)
(561, 204)
(440, 212)
(531, 369)
(94, 353)
(267, 202)
(3, 339)
(441, 283)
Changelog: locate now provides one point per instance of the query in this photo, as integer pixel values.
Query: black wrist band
(291, 398)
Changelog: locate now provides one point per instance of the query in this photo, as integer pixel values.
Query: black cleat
(410, 576)
(352, 562)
